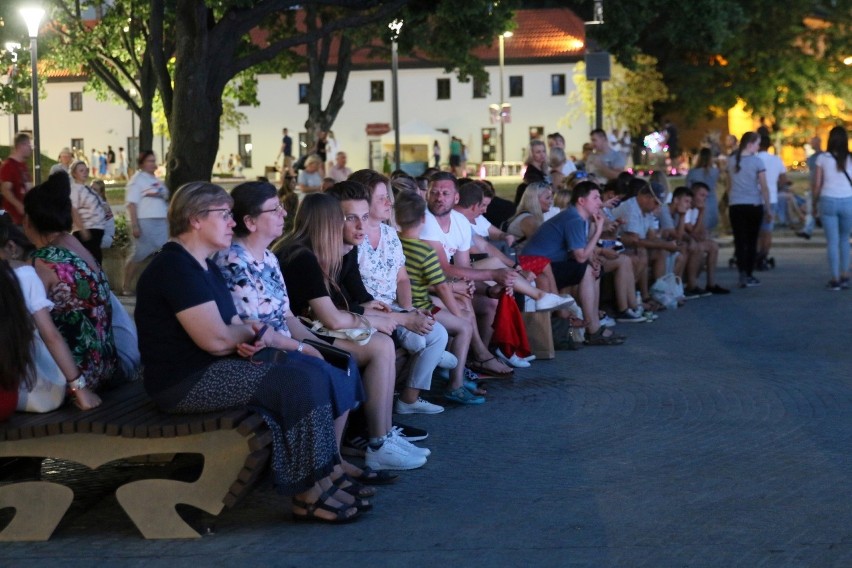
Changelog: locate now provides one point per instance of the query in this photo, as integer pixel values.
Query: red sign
(377, 128)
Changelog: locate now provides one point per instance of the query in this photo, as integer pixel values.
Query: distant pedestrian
(436, 154)
(147, 200)
(749, 206)
(64, 163)
(15, 178)
(111, 161)
(833, 193)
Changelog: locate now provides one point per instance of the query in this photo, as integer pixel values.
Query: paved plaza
(718, 436)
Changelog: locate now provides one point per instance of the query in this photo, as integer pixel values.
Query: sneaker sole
(410, 411)
(378, 467)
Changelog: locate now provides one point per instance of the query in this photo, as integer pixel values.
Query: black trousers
(745, 223)
(93, 245)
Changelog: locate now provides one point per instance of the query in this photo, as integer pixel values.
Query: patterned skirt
(297, 401)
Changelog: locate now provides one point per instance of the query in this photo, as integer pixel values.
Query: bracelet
(77, 384)
(300, 346)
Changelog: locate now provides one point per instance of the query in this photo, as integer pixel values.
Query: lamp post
(395, 27)
(503, 110)
(32, 16)
(12, 47)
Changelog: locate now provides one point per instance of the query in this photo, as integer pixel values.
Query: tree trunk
(148, 88)
(197, 98)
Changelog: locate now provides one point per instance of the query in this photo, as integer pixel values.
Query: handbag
(360, 335)
(336, 356)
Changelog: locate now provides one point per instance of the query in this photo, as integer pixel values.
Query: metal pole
(598, 103)
(395, 87)
(36, 145)
(502, 118)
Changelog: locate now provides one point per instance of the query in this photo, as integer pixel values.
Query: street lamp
(12, 48)
(503, 110)
(32, 16)
(395, 27)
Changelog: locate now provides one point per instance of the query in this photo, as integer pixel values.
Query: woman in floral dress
(75, 284)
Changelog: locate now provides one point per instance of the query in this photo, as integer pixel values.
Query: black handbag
(336, 356)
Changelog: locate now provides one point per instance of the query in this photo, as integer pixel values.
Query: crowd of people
(381, 296)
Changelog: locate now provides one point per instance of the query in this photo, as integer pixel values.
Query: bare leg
(712, 249)
(377, 362)
(461, 332)
(130, 270)
(625, 283)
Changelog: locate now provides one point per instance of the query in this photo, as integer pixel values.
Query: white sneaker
(529, 359)
(448, 361)
(394, 438)
(419, 406)
(392, 456)
(551, 302)
(513, 361)
(607, 321)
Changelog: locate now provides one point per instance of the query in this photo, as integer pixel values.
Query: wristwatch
(77, 384)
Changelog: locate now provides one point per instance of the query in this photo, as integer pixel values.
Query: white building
(537, 80)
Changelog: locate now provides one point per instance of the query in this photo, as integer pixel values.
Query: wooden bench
(235, 445)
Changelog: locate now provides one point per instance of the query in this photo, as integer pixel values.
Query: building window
(77, 147)
(377, 91)
(76, 101)
(516, 86)
(443, 89)
(303, 93)
(557, 84)
(480, 88)
(244, 146)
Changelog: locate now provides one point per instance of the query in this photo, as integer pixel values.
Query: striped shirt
(89, 206)
(423, 269)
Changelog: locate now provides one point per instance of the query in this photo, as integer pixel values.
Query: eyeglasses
(354, 218)
(279, 210)
(227, 214)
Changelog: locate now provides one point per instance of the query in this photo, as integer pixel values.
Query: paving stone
(718, 436)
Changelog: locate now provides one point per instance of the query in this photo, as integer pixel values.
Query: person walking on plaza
(833, 194)
(749, 205)
(15, 178)
(64, 163)
(147, 205)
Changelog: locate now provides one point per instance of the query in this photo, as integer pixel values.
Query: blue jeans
(836, 216)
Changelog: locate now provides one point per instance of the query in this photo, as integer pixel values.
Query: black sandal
(354, 488)
(370, 477)
(321, 503)
(598, 338)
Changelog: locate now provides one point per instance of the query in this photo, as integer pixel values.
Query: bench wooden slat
(255, 460)
(250, 424)
(260, 441)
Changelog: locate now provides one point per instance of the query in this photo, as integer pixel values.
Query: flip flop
(478, 367)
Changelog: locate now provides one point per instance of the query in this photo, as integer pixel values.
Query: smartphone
(259, 334)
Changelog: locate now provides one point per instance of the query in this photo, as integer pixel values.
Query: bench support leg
(39, 506)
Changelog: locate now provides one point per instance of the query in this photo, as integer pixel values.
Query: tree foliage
(442, 31)
(628, 97)
(773, 55)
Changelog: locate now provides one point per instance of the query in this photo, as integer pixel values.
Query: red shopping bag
(510, 335)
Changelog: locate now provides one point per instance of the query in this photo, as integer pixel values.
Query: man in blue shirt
(566, 241)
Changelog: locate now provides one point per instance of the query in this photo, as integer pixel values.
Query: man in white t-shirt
(776, 176)
(450, 235)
